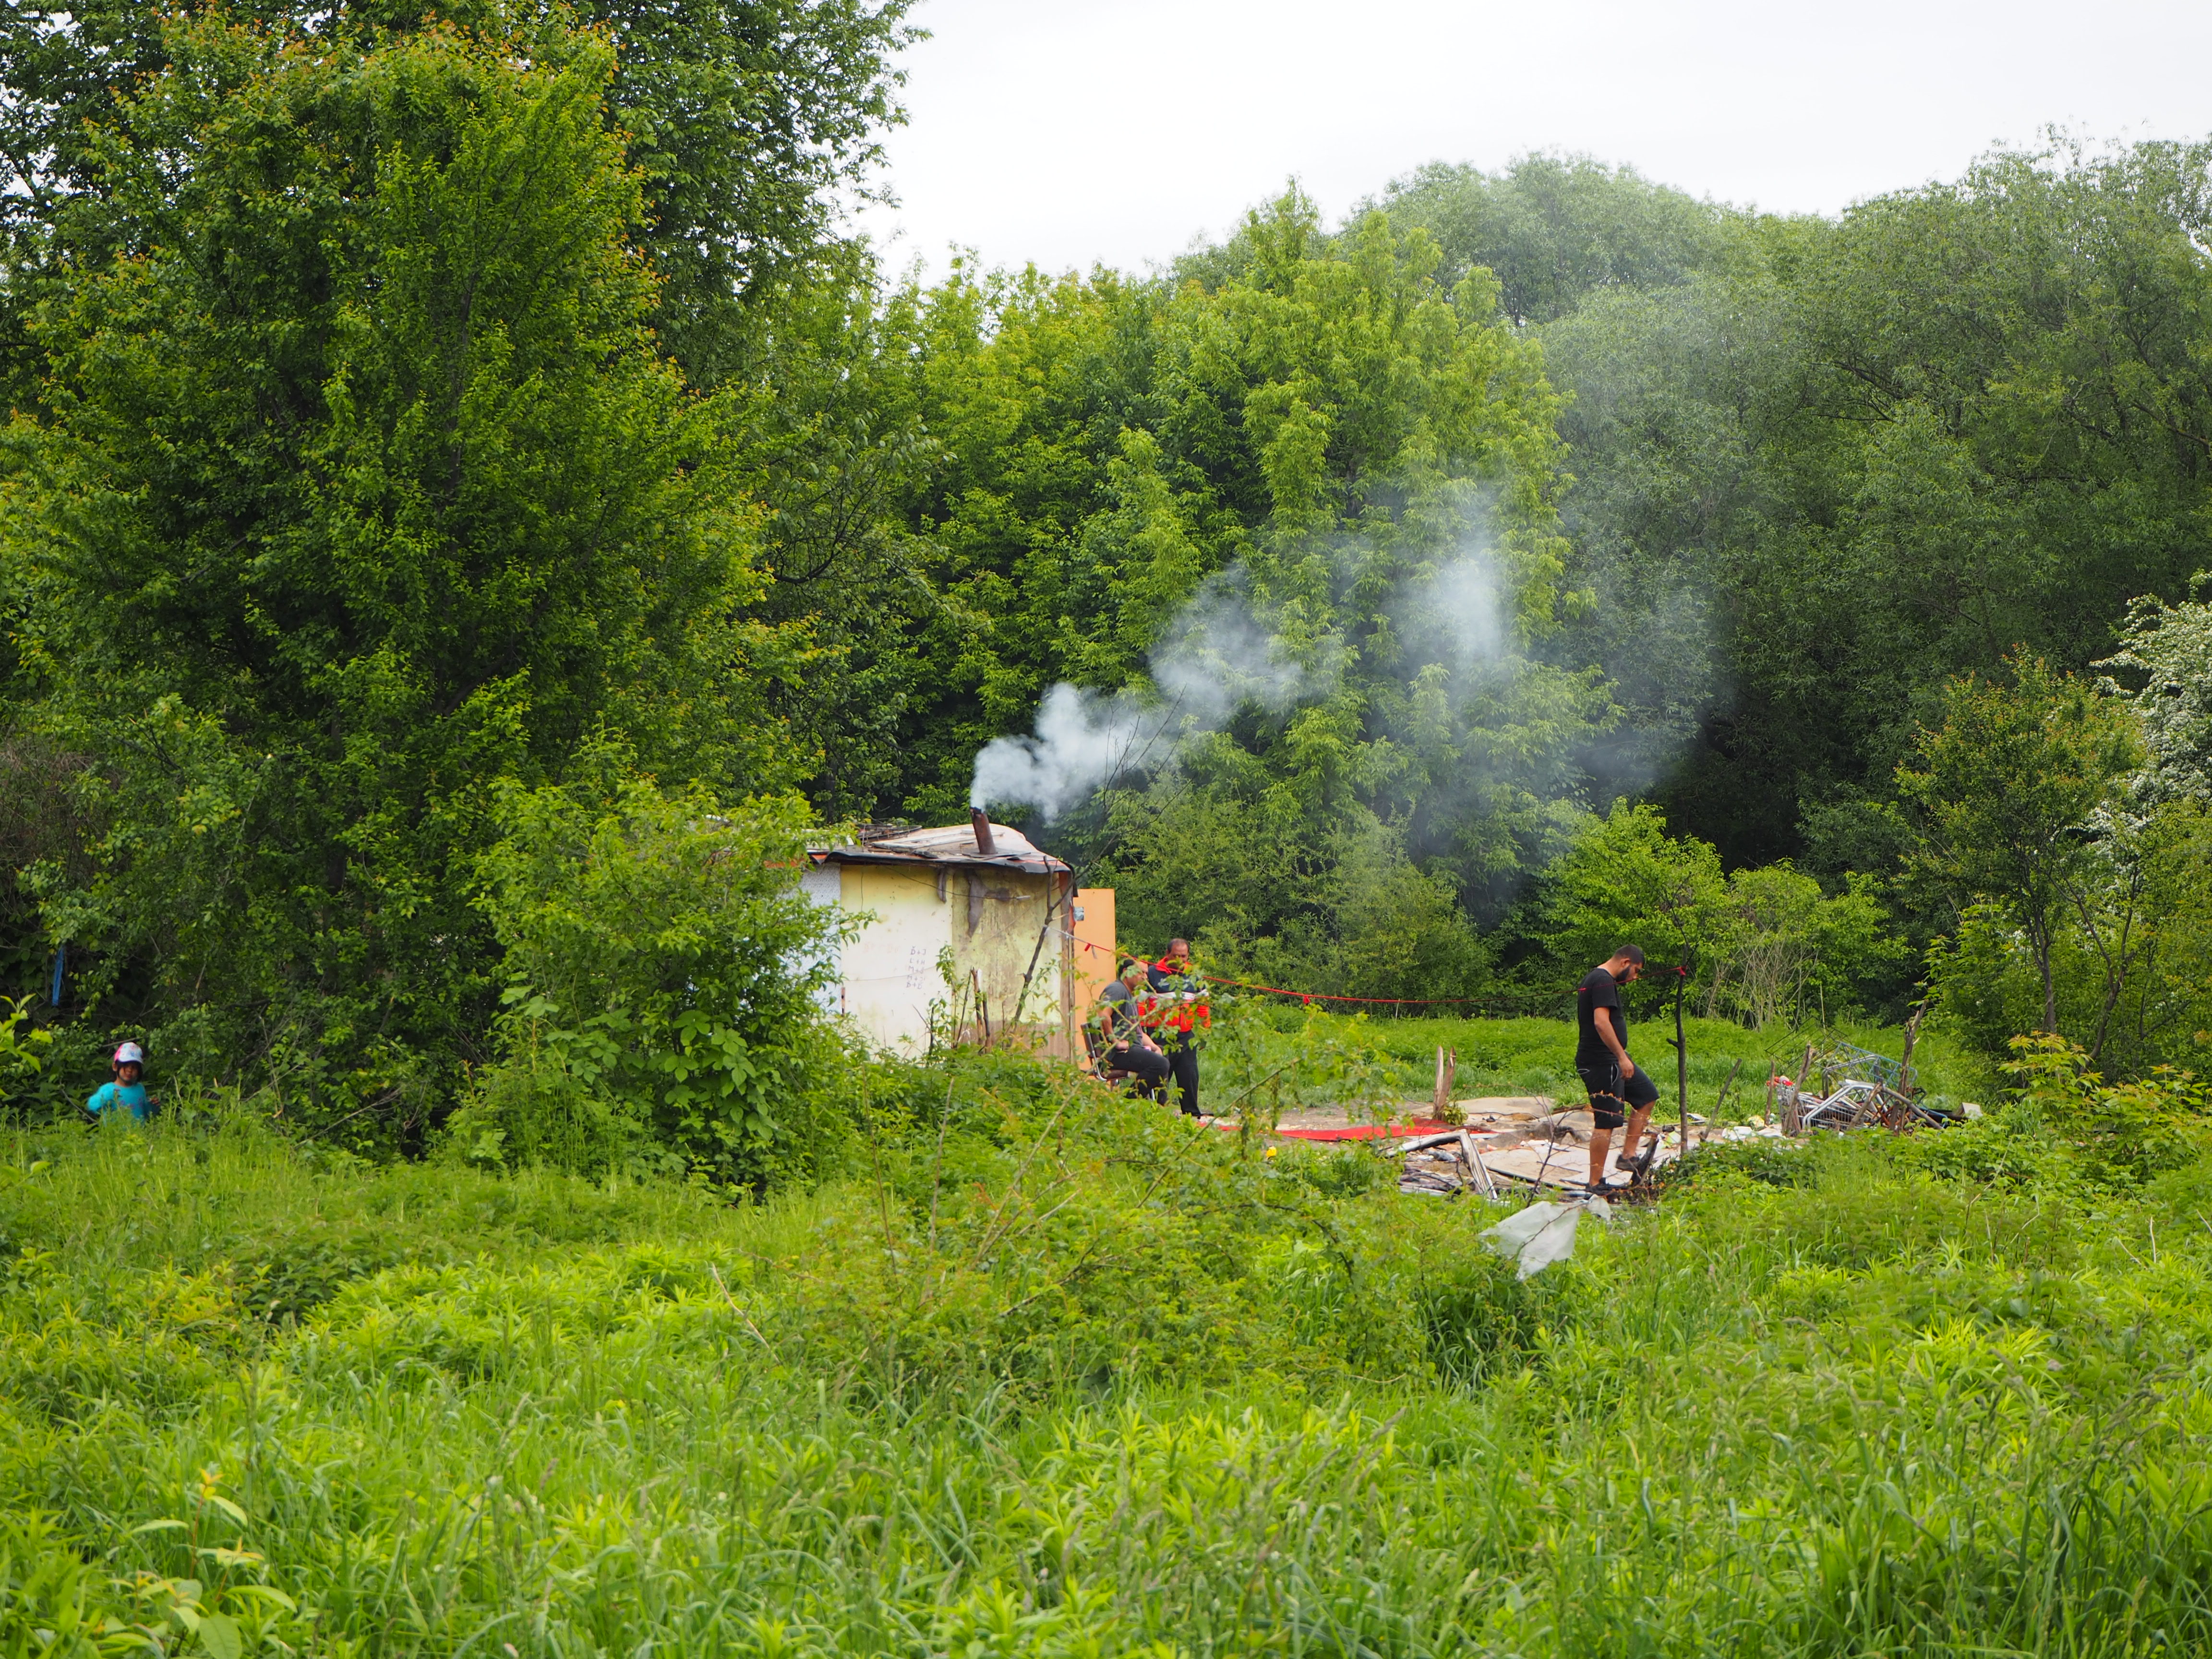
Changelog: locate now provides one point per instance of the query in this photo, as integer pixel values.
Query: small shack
(1002, 907)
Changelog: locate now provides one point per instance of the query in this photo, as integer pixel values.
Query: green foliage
(662, 969)
(1764, 944)
(1348, 911)
(2008, 1149)
(1155, 1388)
(1261, 1061)
(1555, 231)
(24, 1048)
(1325, 436)
(2007, 793)
(1626, 882)
(1760, 1163)
(1844, 461)
(52, 1604)
(2170, 647)
(344, 509)
(2122, 1133)
(744, 118)
(1985, 980)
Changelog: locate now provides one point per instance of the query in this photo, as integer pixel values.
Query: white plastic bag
(1535, 1237)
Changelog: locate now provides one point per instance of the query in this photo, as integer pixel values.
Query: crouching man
(1128, 1047)
(1619, 1091)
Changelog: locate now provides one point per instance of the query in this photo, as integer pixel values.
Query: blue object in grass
(130, 1095)
(61, 967)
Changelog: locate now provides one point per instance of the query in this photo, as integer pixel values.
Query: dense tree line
(1823, 466)
(439, 439)
(358, 483)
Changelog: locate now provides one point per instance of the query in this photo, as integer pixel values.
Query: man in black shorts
(1619, 1091)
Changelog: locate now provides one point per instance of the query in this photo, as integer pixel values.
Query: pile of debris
(1859, 1104)
(1525, 1145)
(1843, 1086)
(1517, 1145)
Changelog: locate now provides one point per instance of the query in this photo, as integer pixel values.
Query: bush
(25, 1086)
(1763, 944)
(2120, 1134)
(663, 969)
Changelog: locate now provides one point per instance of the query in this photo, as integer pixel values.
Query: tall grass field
(1045, 1372)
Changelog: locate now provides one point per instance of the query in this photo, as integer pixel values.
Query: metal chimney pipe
(981, 820)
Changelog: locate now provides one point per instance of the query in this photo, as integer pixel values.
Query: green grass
(1092, 1380)
(1529, 1056)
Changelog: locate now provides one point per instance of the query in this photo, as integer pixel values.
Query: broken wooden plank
(1477, 1170)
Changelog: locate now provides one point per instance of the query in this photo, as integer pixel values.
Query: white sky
(1068, 131)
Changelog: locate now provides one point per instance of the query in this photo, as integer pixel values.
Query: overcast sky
(1068, 132)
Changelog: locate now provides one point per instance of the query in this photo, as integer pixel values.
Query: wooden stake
(1721, 1099)
(1905, 1066)
(1793, 1111)
(1681, 1058)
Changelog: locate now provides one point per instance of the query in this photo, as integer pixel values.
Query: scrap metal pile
(1508, 1146)
(1857, 1089)
(1858, 1104)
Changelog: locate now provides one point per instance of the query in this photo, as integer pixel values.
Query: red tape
(1318, 996)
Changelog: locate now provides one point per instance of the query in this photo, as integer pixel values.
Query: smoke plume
(1216, 657)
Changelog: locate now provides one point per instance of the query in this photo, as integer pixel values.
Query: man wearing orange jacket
(1178, 1014)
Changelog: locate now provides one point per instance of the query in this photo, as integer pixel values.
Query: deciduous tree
(364, 486)
(2006, 794)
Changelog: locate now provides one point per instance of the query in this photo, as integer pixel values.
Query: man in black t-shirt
(1618, 1089)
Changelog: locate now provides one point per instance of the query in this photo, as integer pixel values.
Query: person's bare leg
(1600, 1143)
(1631, 1145)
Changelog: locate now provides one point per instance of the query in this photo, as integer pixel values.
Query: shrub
(2120, 1134)
(662, 970)
(24, 1086)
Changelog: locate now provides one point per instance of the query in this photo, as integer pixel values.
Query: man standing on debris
(1180, 1014)
(1127, 1046)
(1619, 1091)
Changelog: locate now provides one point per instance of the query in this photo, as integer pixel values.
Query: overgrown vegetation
(469, 520)
(1043, 1372)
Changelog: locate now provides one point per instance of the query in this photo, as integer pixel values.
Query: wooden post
(1905, 1066)
(1793, 1117)
(1681, 1058)
(1447, 1075)
(1721, 1099)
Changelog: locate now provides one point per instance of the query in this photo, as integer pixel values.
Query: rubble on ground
(1532, 1146)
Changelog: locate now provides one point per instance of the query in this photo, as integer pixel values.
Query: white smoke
(1454, 616)
(1216, 657)
(1082, 739)
(1213, 658)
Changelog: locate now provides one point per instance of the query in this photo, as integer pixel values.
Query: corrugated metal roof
(953, 844)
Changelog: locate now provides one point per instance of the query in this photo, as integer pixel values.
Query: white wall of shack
(821, 887)
(888, 975)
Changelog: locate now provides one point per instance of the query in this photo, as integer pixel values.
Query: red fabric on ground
(1361, 1132)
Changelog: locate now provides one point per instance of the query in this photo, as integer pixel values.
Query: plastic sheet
(1533, 1238)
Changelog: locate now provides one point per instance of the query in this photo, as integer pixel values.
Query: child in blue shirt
(127, 1091)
